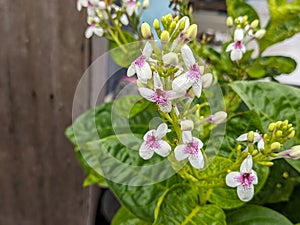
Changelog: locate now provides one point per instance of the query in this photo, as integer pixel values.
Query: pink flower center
(90, 4)
(245, 179)
(160, 97)
(194, 73)
(192, 148)
(151, 142)
(132, 2)
(238, 45)
(140, 61)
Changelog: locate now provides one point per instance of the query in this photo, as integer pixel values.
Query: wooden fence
(43, 54)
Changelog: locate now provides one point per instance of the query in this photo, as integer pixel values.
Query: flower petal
(166, 108)
(256, 137)
(157, 81)
(124, 20)
(207, 80)
(187, 56)
(261, 144)
(147, 51)
(255, 178)
(200, 143)
(164, 149)
(243, 137)
(238, 34)
(98, 31)
(89, 32)
(187, 136)
(236, 55)
(197, 161)
(161, 131)
(180, 154)
(197, 88)
(231, 179)
(246, 165)
(174, 95)
(245, 194)
(131, 70)
(230, 47)
(146, 93)
(181, 83)
(130, 9)
(144, 152)
(144, 73)
(149, 132)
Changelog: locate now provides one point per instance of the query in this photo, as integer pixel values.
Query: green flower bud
(250, 137)
(254, 24)
(275, 146)
(176, 19)
(182, 25)
(285, 123)
(192, 32)
(169, 18)
(146, 30)
(229, 21)
(164, 37)
(264, 163)
(156, 24)
(291, 135)
(260, 33)
(245, 19)
(278, 134)
(278, 124)
(172, 26)
(271, 127)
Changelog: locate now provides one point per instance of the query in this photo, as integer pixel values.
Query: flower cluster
(243, 32)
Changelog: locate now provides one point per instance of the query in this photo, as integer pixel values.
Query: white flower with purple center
(237, 48)
(190, 149)
(81, 3)
(191, 78)
(130, 6)
(258, 138)
(159, 95)
(94, 29)
(244, 180)
(140, 66)
(153, 143)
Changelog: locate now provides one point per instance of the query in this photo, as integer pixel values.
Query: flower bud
(254, 24)
(291, 135)
(186, 125)
(260, 33)
(207, 80)
(146, 4)
(271, 127)
(192, 32)
(184, 23)
(146, 30)
(172, 25)
(218, 117)
(250, 137)
(278, 134)
(295, 152)
(164, 37)
(169, 18)
(229, 21)
(156, 24)
(170, 59)
(275, 146)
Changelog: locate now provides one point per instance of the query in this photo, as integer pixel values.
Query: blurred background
(43, 54)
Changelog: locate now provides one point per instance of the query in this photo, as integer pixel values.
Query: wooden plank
(43, 55)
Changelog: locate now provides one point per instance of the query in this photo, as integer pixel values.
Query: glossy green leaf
(125, 217)
(180, 205)
(137, 183)
(271, 66)
(236, 8)
(284, 22)
(256, 215)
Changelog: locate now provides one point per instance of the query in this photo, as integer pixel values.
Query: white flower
(191, 149)
(130, 6)
(237, 48)
(153, 143)
(258, 138)
(243, 180)
(93, 29)
(293, 153)
(81, 3)
(146, 4)
(217, 118)
(140, 66)
(159, 95)
(191, 78)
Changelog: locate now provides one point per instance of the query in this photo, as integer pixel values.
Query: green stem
(117, 27)
(115, 39)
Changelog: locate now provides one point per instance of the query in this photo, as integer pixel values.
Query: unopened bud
(291, 135)
(169, 18)
(229, 21)
(278, 134)
(260, 33)
(138, 4)
(184, 23)
(146, 4)
(172, 25)
(156, 24)
(146, 30)
(218, 117)
(192, 32)
(271, 127)
(164, 37)
(295, 152)
(245, 19)
(170, 59)
(254, 24)
(250, 137)
(275, 146)
(186, 125)
(265, 163)
(207, 80)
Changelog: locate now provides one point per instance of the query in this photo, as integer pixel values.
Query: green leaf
(236, 8)
(125, 217)
(279, 185)
(137, 183)
(180, 205)
(227, 197)
(95, 178)
(271, 66)
(284, 22)
(125, 54)
(256, 215)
